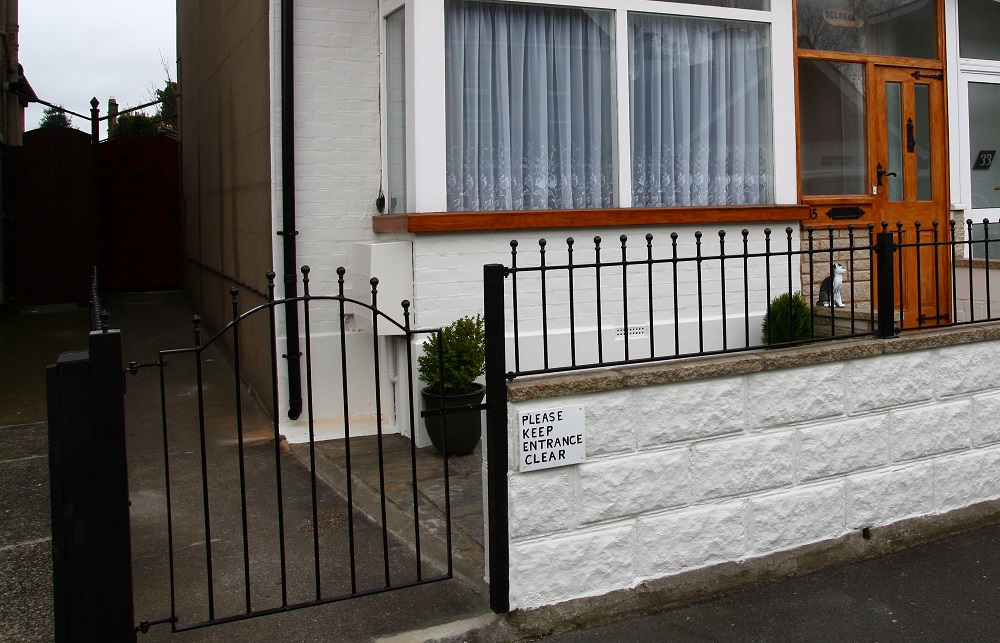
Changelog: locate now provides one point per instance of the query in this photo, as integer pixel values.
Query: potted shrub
(462, 348)
(784, 308)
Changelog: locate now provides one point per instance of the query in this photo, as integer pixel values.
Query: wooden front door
(909, 184)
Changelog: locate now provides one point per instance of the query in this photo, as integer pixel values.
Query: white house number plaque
(551, 438)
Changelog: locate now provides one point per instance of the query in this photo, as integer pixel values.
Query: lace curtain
(700, 111)
(529, 107)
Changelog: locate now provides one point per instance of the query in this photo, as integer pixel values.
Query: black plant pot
(464, 428)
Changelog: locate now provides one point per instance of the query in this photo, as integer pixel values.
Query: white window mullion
(785, 171)
(426, 185)
(624, 101)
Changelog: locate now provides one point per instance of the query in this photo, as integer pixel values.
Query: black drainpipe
(288, 232)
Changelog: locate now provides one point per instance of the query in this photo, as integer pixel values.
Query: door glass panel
(882, 27)
(894, 141)
(984, 143)
(832, 127)
(922, 147)
(977, 29)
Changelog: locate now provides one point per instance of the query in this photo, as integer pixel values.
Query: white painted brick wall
(681, 476)
(457, 259)
(448, 271)
(337, 131)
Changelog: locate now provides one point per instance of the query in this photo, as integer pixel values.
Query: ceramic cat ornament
(829, 290)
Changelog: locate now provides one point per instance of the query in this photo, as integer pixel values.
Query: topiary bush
(463, 345)
(776, 330)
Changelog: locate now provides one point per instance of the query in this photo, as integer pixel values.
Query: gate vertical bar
(347, 427)
(311, 420)
(161, 363)
(884, 248)
(204, 468)
(276, 423)
(235, 293)
(496, 437)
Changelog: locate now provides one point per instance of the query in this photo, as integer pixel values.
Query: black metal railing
(982, 242)
(574, 309)
(95, 301)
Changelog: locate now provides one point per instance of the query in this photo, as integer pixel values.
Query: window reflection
(882, 27)
(832, 127)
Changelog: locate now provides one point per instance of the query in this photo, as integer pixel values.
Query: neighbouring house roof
(22, 88)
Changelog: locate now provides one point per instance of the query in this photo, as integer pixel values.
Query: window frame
(425, 101)
(965, 71)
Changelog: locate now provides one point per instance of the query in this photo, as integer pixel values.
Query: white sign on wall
(551, 438)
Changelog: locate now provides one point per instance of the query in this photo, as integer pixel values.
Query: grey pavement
(946, 591)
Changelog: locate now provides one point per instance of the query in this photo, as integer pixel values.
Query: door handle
(879, 173)
(911, 141)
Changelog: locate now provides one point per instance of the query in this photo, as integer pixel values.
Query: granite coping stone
(755, 361)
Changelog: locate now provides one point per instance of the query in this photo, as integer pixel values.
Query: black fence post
(496, 437)
(884, 249)
(95, 121)
(91, 546)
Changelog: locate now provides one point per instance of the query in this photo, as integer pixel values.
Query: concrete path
(28, 342)
(150, 322)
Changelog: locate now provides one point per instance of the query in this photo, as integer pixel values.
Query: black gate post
(91, 546)
(496, 437)
(884, 249)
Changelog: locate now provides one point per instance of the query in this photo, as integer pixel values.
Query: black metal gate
(249, 530)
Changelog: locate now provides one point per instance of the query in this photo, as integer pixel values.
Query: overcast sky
(73, 50)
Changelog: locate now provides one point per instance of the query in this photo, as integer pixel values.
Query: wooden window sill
(533, 219)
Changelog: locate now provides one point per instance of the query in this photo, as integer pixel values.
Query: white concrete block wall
(682, 476)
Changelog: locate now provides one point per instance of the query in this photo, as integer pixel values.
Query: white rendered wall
(684, 476)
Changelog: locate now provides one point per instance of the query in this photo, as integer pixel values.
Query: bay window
(546, 107)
